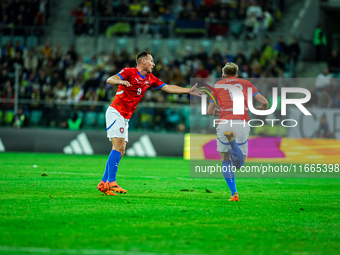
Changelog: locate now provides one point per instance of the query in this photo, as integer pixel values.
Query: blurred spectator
(273, 68)
(254, 8)
(218, 57)
(211, 22)
(49, 114)
(254, 16)
(281, 47)
(221, 28)
(75, 122)
(7, 51)
(92, 82)
(75, 93)
(42, 78)
(324, 131)
(267, 21)
(228, 56)
(35, 96)
(72, 52)
(92, 97)
(70, 72)
(180, 128)
(325, 100)
(240, 58)
(336, 102)
(267, 52)
(323, 80)
(245, 72)
(334, 62)
(80, 65)
(293, 55)
(17, 60)
(4, 77)
(201, 72)
(320, 42)
(31, 61)
(19, 47)
(60, 92)
(59, 51)
(256, 69)
(79, 15)
(176, 77)
(46, 51)
(172, 118)
(8, 96)
(159, 114)
(134, 8)
(251, 25)
(121, 9)
(255, 54)
(188, 55)
(146, 10)
(20, 119)
(101, 92)
(146, 116)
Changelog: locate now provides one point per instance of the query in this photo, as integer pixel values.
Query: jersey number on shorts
(139, 91)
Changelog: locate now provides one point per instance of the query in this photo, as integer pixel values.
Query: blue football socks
(236, 155)
(112, 165)
(106, 173)
(229, 176)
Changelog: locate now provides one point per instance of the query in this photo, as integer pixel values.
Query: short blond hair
(230, 69)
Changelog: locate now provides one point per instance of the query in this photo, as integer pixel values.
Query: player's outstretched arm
(116, 80)
(212, 110)
(174, 89)
(261, 99)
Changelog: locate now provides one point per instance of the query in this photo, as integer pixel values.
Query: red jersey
(226, 96)
(127, 98)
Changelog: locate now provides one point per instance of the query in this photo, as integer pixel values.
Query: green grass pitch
(63, 213)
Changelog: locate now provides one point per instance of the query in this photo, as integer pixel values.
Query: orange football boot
(110, 193)
(101, 186)
(114, 187)
(234, 198)
(230, 136)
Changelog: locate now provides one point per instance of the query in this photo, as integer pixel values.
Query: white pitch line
(67, 173)
(77, 251)
(149, 177)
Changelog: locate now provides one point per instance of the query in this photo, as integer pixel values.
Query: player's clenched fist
(216, 112)
(125, 83)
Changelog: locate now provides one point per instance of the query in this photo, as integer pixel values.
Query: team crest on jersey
(138, 81)
(121, 130)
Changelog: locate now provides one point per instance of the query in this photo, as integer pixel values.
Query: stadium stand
(187, 18)
(58, 83)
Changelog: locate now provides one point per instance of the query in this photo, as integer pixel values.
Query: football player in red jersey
(132, 85)
(232, 137)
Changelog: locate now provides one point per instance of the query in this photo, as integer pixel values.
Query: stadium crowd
(64, 85)
(210, 17)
